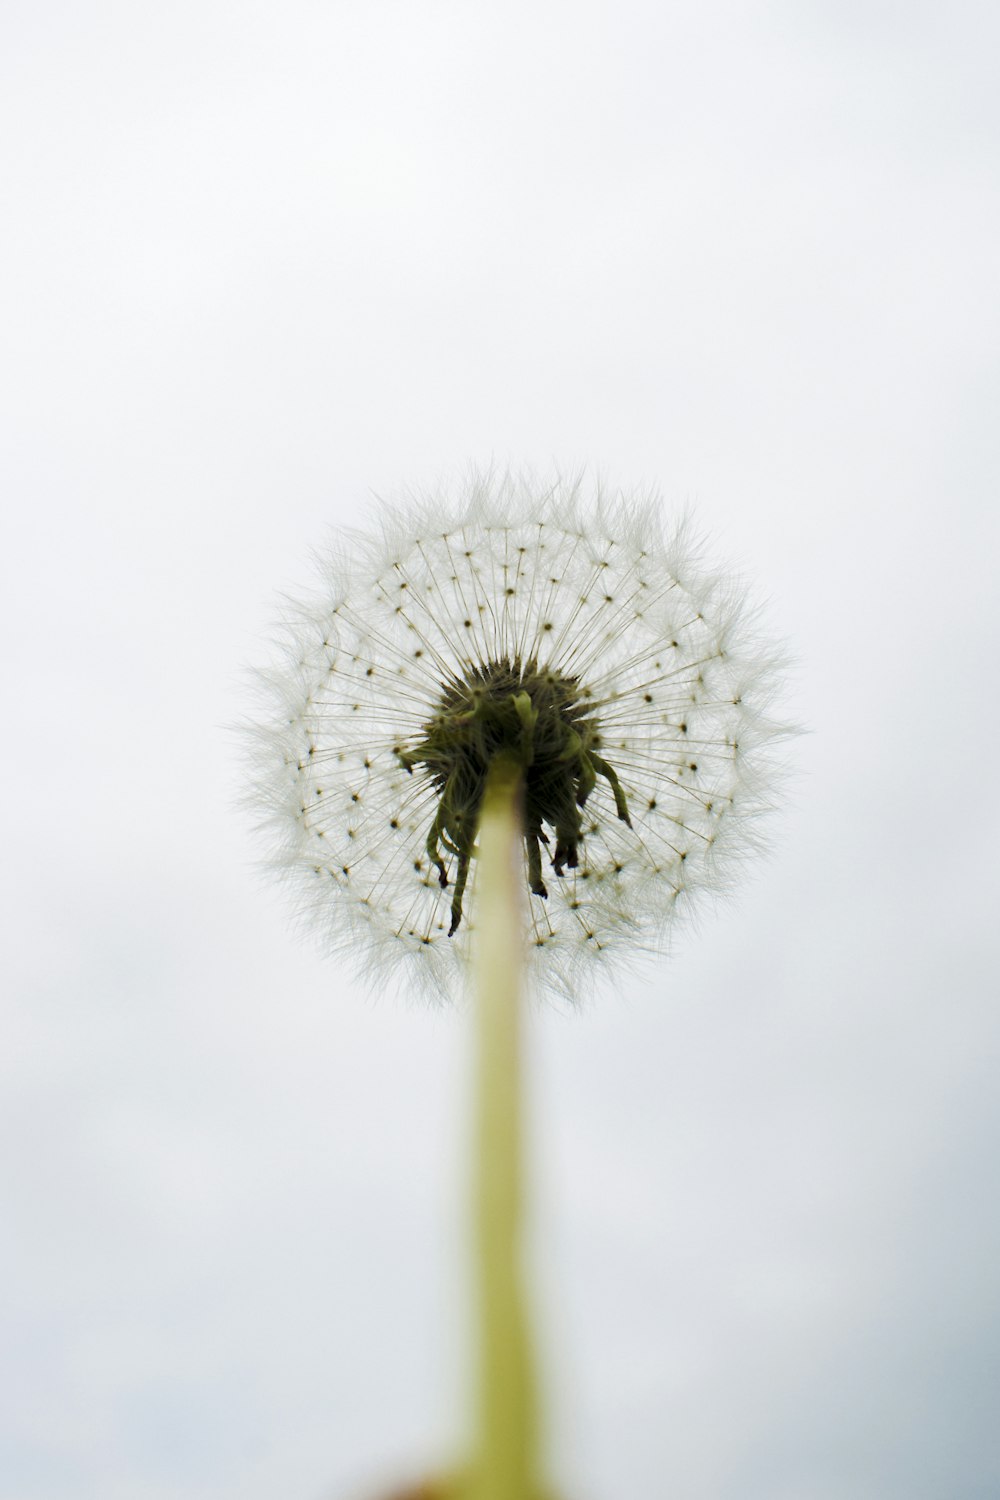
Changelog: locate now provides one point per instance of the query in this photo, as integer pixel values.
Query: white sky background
(260, 263)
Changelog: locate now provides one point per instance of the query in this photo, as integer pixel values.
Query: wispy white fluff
(677, 677)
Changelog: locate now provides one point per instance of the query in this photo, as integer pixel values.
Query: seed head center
(535, 715)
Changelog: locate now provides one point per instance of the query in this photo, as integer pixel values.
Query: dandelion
(624, 679)
(516, 689)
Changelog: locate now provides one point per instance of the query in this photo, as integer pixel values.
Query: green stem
(505, 1463)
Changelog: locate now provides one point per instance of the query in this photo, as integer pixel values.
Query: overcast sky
(261, 264)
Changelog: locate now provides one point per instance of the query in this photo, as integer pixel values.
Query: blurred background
(262, 264)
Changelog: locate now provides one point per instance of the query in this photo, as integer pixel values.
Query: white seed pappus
(668, 666)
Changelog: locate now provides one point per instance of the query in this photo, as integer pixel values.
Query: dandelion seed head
(630, 683)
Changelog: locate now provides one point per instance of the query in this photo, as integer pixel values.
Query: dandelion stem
(504, 1466)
